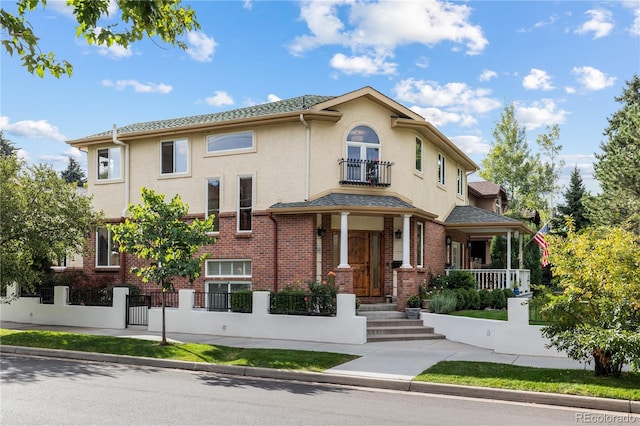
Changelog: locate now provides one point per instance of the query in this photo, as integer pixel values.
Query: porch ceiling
(477, 221)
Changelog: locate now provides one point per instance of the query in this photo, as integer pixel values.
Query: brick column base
(407, 286)
(344, 280)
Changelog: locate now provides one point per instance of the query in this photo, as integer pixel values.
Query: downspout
(275, 253)
(308, 158)
(114, 138)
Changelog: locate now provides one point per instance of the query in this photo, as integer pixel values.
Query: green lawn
(506, 376)
(493, 315)
(194, 352)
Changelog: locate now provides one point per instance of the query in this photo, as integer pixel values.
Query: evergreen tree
(573, 206)
(6, 146)
(617, 168)
(74, 173)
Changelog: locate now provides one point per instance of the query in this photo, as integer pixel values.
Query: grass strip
(507, 376)
(194, 352)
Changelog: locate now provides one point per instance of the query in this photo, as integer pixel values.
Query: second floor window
(109, 163)
(460, 182)
(245, 203)
(230, 142)
(213, 201)
(174, 156)
(442, 172)
(418, 155)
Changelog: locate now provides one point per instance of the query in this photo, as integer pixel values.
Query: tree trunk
(603, 364)
(164, 328)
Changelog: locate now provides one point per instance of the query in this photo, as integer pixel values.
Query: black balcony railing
(365, 172)
(90, 297)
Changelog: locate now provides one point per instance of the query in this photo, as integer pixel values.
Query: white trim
(108, 179)
(252, 148)
(419, 245)
(231, 276)
(188, 158)
(206, 199)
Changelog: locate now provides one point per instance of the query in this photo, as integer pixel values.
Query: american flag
(543, 244)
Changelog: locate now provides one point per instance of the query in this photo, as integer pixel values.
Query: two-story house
(356, 184)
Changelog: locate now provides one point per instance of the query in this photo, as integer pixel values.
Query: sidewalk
(382, 365)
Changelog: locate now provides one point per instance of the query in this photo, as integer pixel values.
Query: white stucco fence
(345, 327)
(29, 310)
(514, 336)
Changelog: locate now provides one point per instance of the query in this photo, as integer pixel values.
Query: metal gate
(138, 309)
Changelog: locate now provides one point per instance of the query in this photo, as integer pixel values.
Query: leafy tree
(597, 316)
(573, 205)
(74, 173)
(42, 217)
(618, 167)
(6, 146)
(524, 176)
(157, 233)
(166, 19)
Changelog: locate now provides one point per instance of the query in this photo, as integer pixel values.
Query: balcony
(365, 172)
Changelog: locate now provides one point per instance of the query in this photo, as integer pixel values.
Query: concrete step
(380, 315)
(376, 331)
(402, 337)
(392, 322)
(377, 307)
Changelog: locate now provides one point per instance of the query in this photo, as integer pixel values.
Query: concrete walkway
(382, 360)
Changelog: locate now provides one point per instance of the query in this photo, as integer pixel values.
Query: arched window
(363, 144)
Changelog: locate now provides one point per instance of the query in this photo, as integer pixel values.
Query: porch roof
(360, 203)
(474, 220)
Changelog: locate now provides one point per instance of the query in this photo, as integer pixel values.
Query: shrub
(241, 301)
(499, 301)
(288, 302)
(460, 279)
(485, 298)
(474, 300)
(508, 293)
(322, 297)
(443, 303)
(463, 298)
(413, 302)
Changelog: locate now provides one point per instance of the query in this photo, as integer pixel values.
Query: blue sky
(455, 63)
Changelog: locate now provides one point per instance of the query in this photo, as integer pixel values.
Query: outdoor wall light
(398, 234)
(469, 245)
(447, 241)
(321, 232)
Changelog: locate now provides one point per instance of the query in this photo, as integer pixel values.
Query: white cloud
(537, 80)
(138, 87)
(634, 29)
(219, 98)
(273, 98)
(592, 78)
(32, 129)
(373, 30)
(441, 118)
(487, 75)
(570, 90)
(539, 114)
(114, 51)
(601, 23)
(363, 65)
(471, 144)
(201, 47)
(456, 97)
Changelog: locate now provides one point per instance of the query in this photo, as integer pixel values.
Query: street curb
(575, 401)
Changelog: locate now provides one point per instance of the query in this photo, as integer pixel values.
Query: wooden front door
(364, 259)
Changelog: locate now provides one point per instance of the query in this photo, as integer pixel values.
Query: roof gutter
(114, 138)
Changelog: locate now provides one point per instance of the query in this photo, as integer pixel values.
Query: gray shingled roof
(472, 214)
(300, 103)
(353, 200)
(485, 188)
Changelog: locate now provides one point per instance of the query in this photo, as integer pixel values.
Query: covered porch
(469, 233)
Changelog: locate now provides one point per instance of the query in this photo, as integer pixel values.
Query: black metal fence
(355, 171)
(46, 295)
(171, 299)
(90, 297)
(138, 309)
(238, 301)
(299, 303)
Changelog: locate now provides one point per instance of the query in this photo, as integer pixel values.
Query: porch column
(509, 258)
(344, 241)
(406, 239)
(520, 252)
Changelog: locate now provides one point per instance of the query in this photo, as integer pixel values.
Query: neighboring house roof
(471, 218)
(486, 189)
(351, 202)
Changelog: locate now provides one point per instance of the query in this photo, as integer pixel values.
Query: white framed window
(456, 258)
(217, 298)
(418, 155)
(498, 206)
(174, 157)
(442, 169)
(107, 253)
(363, 154)
(460, 182)
(109, 163)
(213, 201)
(239, 141)
(419, 244)
(245, 203)
(228, 268)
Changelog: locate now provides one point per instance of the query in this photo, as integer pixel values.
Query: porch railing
(354, 171)
(490, 279)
